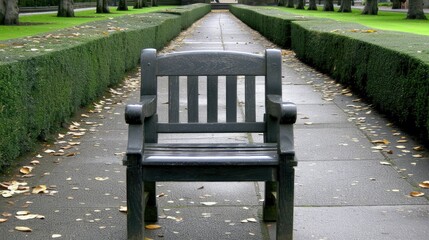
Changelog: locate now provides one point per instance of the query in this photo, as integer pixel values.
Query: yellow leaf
(2, 220)
(417, 194)
(39, 189)
(424, 184)
(23, 229)
(26, 169)
(152, 226)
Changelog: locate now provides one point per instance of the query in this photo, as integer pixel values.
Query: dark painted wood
(173, 99)
(212, 99)
(273, 161)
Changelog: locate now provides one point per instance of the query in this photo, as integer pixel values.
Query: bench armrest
(285, 113)
(135, 115)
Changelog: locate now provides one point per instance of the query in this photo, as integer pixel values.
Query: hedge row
(45, 79)
(390, 69)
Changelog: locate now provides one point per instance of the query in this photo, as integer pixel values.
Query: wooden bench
(271, 161)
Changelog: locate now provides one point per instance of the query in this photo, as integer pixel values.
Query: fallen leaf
(101, 178)
(384, 141)
(400, 147)
(424, 184)
(123, 209)
(252, 220)
(35, 162)
(385, 163)
(418, 148)
(21, 213)
(6, 214)
(152, 226)
(26, 169)
(71, 154)
(39, 189)
(30, 216)
(56, 235)
(208, 203)
(417, 155)
(416, 194)
(2, 220)
(23, 229)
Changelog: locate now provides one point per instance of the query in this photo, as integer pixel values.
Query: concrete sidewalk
(346, 188)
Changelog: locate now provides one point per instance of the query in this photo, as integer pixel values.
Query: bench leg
(135, 203)
(151, 211)
(269, 211)
(285, 203)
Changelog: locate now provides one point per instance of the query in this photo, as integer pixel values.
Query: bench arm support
(135, 115)
(285, 114)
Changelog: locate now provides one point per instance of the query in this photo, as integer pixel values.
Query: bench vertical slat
(273, 82)
(193, 99)
(212, 99)
(148, 85)
(173, 99)
(231, 98)
(249, 99)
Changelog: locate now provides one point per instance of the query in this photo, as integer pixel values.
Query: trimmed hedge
(45, 79)
(390, 69)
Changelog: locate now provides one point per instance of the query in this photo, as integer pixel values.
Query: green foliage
(44, 79)
(390, 69)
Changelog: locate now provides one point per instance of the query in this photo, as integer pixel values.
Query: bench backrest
(210, 65)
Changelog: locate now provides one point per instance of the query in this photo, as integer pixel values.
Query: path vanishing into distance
(355, 176)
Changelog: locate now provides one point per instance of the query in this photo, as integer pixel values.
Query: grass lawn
(391, 21)
(41, 23)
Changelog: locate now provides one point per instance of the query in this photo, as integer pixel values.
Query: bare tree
(312, 5)
(122, 5)
(415, 10)
(371, 7)
(328, 6)
(65, 8)
(102, 6)
(346, 6)
(9, 12)
(289, 3)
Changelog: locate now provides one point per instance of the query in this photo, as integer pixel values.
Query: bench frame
(148, 161)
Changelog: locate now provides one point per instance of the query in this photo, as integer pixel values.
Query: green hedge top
(414, 45)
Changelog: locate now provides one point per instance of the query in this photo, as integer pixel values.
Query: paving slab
(348, 184)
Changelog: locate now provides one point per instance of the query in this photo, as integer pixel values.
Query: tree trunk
(65, 8)
(2, 11)
(102, 6)
(289, 4)
(415, 10)
(122, 5)
(396, 4)
(328, 6)
(139, 3)
(282, 3)
(300, 4)
(154, 3)
(346, 6)
(312, 5)
(371, 7)
(9, 12)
